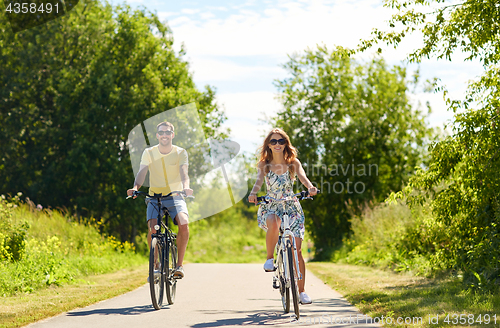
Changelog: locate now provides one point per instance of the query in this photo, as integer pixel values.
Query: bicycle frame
(286, 233)
(164, 242)
(284, 259)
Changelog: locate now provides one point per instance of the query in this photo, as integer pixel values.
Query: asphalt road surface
(216, 295)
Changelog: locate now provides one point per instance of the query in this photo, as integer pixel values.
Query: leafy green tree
(357, 134)
(71, 91)
(462, 177)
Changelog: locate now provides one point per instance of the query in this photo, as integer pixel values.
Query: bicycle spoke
(293, 280)
(284, 291)
(171, 264)
(156, 276)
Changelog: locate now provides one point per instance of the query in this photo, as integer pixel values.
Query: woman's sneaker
(179, 272)
(304, 298)
(269, 265)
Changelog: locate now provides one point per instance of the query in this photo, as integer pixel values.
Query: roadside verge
(22, 309)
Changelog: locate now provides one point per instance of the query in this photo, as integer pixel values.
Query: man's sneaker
(179, 273)
(157, 272)
(269, 265)
(304, 298)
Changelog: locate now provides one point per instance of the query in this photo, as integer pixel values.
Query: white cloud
(190, 11)
(164, 15)
(285, 28)
(213, 70)
(207, 15)
(245, 112)
(259, 104)
(282, 27)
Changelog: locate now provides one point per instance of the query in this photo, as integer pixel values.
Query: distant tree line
(70, 92)
(359, 138)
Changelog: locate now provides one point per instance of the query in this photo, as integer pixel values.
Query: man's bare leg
(151, 230)
(182, 236)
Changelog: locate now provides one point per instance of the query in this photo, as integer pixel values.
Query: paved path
(215, 295)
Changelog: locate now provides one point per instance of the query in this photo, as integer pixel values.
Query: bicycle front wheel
(156, 276)
(171, 265)
(284, 291)
(293, 280)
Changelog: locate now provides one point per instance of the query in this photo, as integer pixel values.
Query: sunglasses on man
(168, 132)
(280, 141)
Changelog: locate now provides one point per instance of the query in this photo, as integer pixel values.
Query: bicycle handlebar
(267, 199)
(158, 196)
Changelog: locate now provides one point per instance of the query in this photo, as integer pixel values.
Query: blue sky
(239, 47)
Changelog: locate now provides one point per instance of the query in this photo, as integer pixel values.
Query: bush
(40, 248)
(393, 236)
(12, 237)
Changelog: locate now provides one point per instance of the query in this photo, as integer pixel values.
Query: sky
(239, 48)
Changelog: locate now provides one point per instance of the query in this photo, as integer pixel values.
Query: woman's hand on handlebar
(312, 191)
(252, 199)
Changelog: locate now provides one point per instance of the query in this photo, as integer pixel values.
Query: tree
(462, 179)
(357, 134)
(71, 90)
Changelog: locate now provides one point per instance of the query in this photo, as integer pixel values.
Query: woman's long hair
(289, 153)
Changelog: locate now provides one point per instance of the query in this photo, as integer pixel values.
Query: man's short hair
(167, 124)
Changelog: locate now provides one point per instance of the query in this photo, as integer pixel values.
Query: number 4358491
(33, 8)
(470, 319)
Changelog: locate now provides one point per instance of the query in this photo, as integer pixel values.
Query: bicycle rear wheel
(171, 265)
(156, 278)
(284, 291)
(293, 281)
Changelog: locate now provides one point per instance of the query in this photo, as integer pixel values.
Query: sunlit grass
(54, 250)
(227, 237)
(21, 309)
(383, 293)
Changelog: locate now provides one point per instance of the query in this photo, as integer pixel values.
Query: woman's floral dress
(280, 186)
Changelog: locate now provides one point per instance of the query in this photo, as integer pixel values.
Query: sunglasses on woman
(165, 132)
(280, 141)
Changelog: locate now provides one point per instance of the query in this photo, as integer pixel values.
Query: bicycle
(162, 254)
(286, 272)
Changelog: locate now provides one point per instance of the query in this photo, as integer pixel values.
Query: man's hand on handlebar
(188, 192)
(130, 193)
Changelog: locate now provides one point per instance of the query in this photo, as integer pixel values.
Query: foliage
(12, 237)
(358, 136)
(395, 237)
(56, 251)
(468, 162)
(231, 236)
(70, 92)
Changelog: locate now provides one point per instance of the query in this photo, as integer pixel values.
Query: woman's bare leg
(302, 265)
(272, 235)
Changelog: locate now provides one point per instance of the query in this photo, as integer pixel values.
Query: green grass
(42, 248)
(228, 237)
(396, 237)
(22, 309)
(379, 293)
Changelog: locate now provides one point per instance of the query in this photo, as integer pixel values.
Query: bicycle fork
(288, 235)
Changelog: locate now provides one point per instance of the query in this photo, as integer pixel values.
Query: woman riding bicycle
(278, 165)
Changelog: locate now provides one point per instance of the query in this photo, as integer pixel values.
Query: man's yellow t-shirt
(164, 169)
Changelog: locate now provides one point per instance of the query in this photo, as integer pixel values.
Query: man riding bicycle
(168, 171)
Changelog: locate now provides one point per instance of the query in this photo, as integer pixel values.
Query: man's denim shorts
(174, 205)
